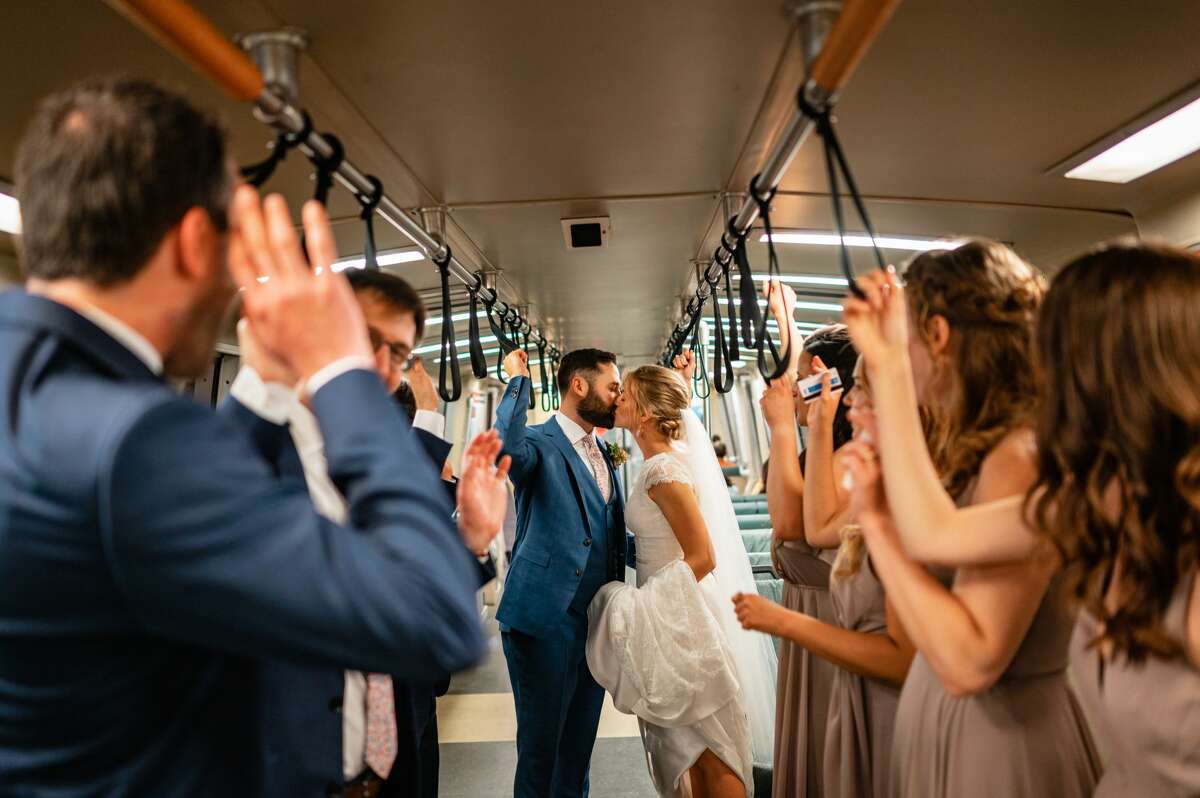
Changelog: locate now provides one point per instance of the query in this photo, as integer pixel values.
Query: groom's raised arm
(512, 415)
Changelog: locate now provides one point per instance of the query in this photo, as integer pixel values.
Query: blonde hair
(661, 394)
(850, 553)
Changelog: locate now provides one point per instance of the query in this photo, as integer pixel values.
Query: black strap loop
(556, 397)
(547, 398)
(701, 385)
(449, 346)
(835, 160)
(734, 352)
(479, 365)
(327, 168)
(722, 363)
(369, 203)
(751, 317)
(258, 173)
(765, 343)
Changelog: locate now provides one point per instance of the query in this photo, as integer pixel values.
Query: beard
(595, 412)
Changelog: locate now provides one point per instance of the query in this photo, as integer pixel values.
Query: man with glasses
(376, 735)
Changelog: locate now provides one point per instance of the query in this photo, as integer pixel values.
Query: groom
(570, 541)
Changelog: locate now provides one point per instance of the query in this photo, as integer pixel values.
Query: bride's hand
(781, 299)
(878, 325)
(685, 364)
(757, 613)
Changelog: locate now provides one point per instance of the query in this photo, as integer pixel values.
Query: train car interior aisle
(536, 204)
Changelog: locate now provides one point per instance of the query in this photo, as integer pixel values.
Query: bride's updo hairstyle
(661, 394)
(1118, 433)
(989, 297)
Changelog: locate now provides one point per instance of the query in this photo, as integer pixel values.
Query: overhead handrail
(256, 174)
(182, 29)
(858, 24)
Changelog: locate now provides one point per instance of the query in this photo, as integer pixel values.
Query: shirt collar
(125, 335)
(573, 431)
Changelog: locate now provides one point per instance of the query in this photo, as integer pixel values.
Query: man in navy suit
(313, 718)
(570, 540)
(152, 551)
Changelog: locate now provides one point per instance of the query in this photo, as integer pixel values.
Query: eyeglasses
(400, 355)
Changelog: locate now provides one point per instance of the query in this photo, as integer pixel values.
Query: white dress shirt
(576, 436)
(278, 404)
(125, 335)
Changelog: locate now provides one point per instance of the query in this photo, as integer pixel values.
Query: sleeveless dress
(862, 711)
(805, 680)
(1147, 716)
(660, 651)
(1025, 737)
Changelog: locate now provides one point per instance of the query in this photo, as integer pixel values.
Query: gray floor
(475, 770)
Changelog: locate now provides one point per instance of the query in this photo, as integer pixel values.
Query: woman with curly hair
(1116, 500)
(986, 709)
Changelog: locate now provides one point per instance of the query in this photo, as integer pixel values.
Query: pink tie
(599, 467)
(381, 725)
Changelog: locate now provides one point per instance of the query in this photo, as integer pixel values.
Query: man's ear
(199, 246)
(579, 386)
(937, 334)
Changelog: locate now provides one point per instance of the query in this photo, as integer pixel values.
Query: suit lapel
(586, 489)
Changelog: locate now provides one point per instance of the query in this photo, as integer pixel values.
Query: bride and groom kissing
(669, 650)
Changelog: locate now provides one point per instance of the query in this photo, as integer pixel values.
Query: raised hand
(823, 409)
(306, 318)
(422, 386)
(868, 502)
(781, 299)
(685, 364)
(757, 613)
(482, 492)
(878, 325)
(516, 363)
(268, 367)
(778, 404)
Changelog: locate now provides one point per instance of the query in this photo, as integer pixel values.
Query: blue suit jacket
(149, 552)
(558, 508)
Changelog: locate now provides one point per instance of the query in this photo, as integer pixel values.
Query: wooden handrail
(181, 28)
(859, 22)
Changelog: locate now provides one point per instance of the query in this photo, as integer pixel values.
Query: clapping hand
(757, 613)
(268, 367)
(878, 324)
(305, 318)
(482, 492)
(424, 392)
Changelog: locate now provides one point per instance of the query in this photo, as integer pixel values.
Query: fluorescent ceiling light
(434, 321)
(389, 257)
(10, 214)
(483, 339)
(825, 306)
(1151, 142)
(830, 239)
(805, 279)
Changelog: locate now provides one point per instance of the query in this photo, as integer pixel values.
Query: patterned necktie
(380, 751)
(599, 467)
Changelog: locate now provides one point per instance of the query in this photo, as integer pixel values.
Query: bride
(671, 650)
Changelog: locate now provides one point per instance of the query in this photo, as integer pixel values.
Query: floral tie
(381, 725)
(599, 467)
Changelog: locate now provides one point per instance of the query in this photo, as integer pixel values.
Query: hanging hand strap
(369, 204)
(700, 376)
(722, 365)
(449, 346)
(258, 173)
(835, 160)
(751, 316)
(764, 340)
(479, 365)
(555, 397)
(547, 399)
(734, 352)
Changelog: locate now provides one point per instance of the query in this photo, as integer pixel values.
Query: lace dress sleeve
(664, 469)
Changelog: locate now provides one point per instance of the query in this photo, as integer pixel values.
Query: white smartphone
(810, 387)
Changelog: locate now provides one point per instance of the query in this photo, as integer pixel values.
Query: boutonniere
(616, 454)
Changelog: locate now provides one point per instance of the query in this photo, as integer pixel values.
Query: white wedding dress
(670, 650)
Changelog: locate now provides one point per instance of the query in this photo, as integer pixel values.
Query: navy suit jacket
(150, 553)
(559, 507)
